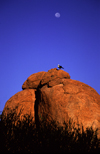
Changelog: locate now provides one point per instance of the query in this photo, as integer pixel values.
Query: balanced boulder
(33, 81)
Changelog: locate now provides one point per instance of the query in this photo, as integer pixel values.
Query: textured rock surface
(70, 99)
(33, 81)
(53, 77)
(54, 96)
(39, 79)
(22, 103)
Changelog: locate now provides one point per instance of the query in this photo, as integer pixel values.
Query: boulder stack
(54, 96)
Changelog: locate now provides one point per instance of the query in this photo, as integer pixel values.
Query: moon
(57, 15)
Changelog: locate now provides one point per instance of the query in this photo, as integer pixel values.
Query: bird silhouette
(59, 66)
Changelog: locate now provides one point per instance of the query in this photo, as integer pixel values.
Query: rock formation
(54, 96)
(20, 105)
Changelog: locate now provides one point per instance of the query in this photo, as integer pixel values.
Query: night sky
(33, 39)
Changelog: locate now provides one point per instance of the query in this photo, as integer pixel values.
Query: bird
(59, 66)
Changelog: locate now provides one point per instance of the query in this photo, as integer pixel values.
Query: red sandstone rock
(53, 75)
(42, 78)
(33, 81)
(70, 100)
(58, 98)
(21, 104)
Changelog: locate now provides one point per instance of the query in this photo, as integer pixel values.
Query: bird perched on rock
(59, 66)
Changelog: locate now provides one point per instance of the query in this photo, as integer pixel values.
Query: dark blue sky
(32, 39)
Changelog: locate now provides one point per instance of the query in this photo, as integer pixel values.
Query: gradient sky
(32, 39)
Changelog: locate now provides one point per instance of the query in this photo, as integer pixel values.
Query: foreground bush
(26, 137)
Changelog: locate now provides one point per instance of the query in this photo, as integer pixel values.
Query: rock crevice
(38, 98)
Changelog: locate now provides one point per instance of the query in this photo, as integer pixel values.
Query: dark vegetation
(27, 138)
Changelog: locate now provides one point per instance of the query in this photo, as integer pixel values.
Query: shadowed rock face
(54, 96)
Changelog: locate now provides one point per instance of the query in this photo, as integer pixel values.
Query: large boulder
(54, 96)
(70, 99)
(20, 105)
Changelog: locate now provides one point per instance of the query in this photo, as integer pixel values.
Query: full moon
(57, 15)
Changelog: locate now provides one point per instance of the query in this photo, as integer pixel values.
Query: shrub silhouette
(26, 137)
